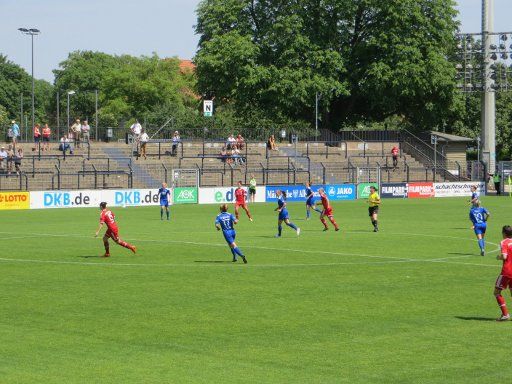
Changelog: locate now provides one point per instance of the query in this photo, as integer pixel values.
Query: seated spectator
(229, 157)
(10, 158)
(237, 157)
(240, 142)
(223, 154)
(17, 160)
(231, 142)
(65, 145)
(176, 140)
(271, 143)
(3, 158)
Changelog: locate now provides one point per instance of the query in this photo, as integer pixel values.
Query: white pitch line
(390, 259)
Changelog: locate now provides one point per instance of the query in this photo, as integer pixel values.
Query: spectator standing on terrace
(10, 158)
(394, 154)
(240, 142)
(17, 160)
(282, 135)
(143, 141)
(136, 129)
(86, 135)
(223, 154)
(176, 140)
(271, 143)
(46, 137)
(3, 158)
(37, 136)
(76, 128)
(15, 129)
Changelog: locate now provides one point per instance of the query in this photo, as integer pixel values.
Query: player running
(226, 221)
(241, 201)
(165, 196)
(327, 211)
(475, 196)
(310, 201)
(479, 216)
(504, 280)
(107, 217)
(283, 214)
(373, 209)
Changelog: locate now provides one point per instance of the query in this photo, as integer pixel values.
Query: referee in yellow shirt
(373, 210)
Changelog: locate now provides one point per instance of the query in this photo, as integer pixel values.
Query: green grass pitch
(410, 304)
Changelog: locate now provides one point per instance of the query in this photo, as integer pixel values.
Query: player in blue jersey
(283, 214)
(225, 221)
(165, 196)
(310, 201)
(479, 216)
(475, 196)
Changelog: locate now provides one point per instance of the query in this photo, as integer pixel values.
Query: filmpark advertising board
(420, 190)
(335, 192)
(393, 190)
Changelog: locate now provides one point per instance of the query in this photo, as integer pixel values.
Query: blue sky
(133, 27)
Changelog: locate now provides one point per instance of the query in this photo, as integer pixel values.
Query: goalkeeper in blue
(165, 197)
(225, 221)
(479, 216)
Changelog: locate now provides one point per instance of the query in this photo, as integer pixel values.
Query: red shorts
(243, 205)
(113, 233)
(502, 282)
(327, 212)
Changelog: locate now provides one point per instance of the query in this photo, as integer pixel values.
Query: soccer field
(412, 303)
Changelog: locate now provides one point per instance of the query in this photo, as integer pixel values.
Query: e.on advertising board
(226, 195)
(420, 190)
(14, 200)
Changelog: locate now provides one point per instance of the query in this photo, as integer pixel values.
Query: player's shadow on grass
(212, 261)
(461, 253)
(475, 318)
(91, 257)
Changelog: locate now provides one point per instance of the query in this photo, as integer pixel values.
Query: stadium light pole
(317, 97)
(31, 32)
(69, 93)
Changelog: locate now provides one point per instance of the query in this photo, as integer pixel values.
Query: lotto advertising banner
(334, 192)
(363, 190)
(457, 189)
(393, 190)
(185, 195)
(226, 195)
(14, 200)
(420, 190)
(92, 198)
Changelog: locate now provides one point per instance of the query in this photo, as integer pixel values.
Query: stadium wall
(192, 195)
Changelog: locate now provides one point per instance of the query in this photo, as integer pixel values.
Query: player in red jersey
(241, 201)
(504, 280)
(108, 218)
(327, 211)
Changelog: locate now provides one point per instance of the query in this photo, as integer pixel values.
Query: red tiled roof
(187, 66)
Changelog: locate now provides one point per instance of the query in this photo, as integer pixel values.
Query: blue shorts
(283, 215)
(230, 236)
(164, 203)
(480, 228)
(310, 202)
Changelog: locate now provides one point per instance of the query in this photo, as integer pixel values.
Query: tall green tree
(369, 59)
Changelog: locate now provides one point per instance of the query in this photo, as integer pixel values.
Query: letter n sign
(208, 108)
